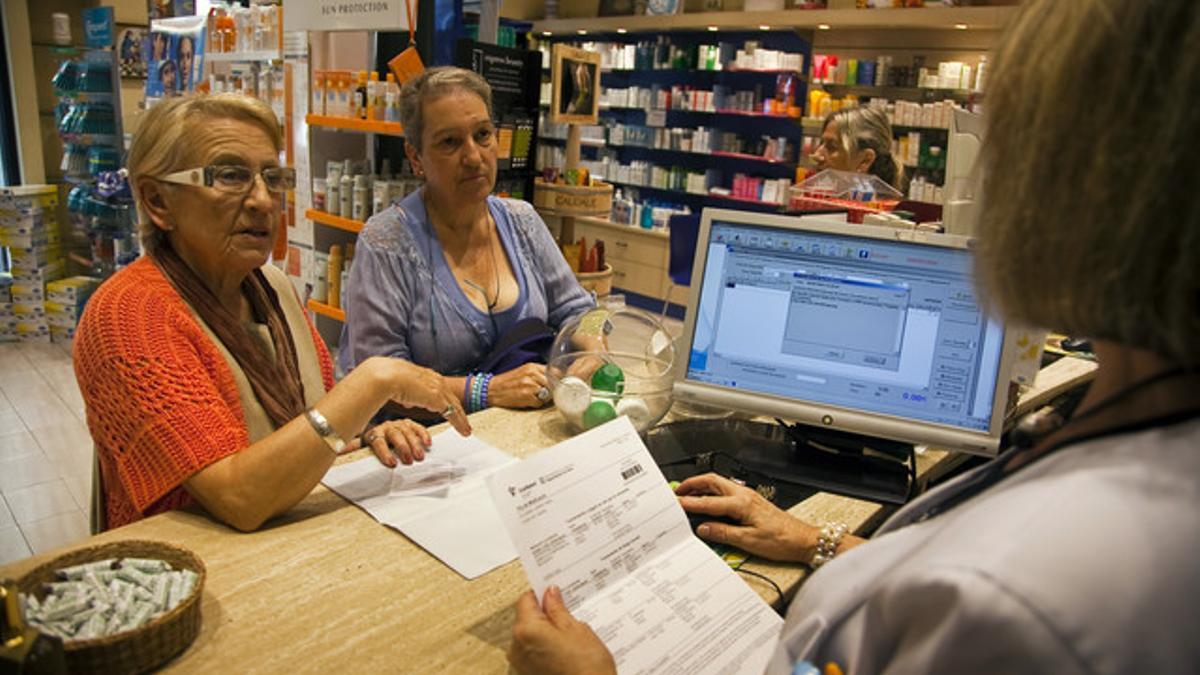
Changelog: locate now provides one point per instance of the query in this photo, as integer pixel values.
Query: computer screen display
(861, 328)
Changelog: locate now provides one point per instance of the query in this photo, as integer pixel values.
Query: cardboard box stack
(29, 229)
(65, 299)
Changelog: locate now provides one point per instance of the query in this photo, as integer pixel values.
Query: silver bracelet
(325, 430)
(827, 543)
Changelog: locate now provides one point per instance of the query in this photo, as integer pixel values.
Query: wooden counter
(326, 588)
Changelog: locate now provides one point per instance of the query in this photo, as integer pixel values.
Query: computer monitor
(856, 328)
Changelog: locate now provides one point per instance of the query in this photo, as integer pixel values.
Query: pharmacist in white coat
(1080, 553)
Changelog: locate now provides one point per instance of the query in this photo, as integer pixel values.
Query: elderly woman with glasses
(444, 276)
(203, 378)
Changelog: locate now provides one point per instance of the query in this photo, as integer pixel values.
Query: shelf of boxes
(29, 229)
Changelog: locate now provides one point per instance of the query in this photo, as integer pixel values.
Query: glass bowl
(610, 362)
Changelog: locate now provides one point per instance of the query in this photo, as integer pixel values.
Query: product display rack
(719, 166)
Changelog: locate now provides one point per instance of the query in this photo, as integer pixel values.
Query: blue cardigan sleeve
(377, 305)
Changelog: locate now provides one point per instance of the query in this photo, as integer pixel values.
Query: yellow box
(72, 290)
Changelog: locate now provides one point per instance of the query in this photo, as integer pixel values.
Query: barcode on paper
(631, 471)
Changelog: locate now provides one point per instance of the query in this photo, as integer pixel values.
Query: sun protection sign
(345, 15)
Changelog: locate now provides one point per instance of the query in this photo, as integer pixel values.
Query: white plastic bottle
(346, 195)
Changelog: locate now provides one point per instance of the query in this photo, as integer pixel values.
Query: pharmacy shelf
(657, 233)
(745, 113)
(230, 57)
(351, 124)
(947, 18)
(728, 155)
(750, 158)
(333, 221)
(699, 195)
(325, 310)
(590, 142)
(925, 94)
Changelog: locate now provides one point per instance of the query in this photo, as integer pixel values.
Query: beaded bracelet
(827, 543)
(487, 381)
(477, 392)
(467, 392)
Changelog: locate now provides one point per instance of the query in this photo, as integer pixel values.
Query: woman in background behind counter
(440, 277)
(859, 139)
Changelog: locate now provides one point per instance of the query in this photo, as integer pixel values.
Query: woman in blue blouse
(441, 275)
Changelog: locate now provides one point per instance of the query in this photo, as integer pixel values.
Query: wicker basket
(573, 200)
(140, 649)
(599, 283)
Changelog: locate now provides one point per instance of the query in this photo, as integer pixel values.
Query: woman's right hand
(765, 529)
(414, 386)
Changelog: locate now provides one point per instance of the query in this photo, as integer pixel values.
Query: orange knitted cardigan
(161, 400)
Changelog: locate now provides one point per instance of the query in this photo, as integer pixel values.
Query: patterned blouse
(402, 299)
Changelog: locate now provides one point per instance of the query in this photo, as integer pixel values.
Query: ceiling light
(581, 31)
(764, 27)
(712, 29)
(822, 26)
(546, 33)
(622, 31)
(960, 26)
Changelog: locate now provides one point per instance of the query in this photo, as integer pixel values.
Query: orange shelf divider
(351, 124)
(333, 221)
(325, 310)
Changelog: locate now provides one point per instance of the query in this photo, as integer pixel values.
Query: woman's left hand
(522, 387)
(405, 439)
(550, 640)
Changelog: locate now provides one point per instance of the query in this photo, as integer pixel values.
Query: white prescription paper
(442, 503)
(595, 516)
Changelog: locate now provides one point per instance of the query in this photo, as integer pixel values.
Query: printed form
(442, 503)
(595, 516)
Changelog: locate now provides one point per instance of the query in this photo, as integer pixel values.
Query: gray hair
(1089, 224)
(165, 142)
(431, 84)
(860, 128)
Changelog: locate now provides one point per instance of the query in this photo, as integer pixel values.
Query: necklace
(491, 304)
(478, 287)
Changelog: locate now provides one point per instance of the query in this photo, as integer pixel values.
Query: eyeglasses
(234, 178)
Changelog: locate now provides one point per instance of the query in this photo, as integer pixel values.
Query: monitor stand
(795, 460)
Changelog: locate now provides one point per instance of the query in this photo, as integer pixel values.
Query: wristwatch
(324, 430)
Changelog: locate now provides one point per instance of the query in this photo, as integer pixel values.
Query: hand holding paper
(595, 517)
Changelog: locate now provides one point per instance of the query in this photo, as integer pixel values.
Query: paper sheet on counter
(442, 503)
(594, 516)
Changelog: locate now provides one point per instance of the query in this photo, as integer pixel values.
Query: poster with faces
(174, 56)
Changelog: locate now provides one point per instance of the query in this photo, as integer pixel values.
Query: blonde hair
(1089, 224)
(431, 84)
(165, 142)
(859, 129)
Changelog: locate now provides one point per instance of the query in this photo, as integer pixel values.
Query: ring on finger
(543, 394)
(370, 437)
